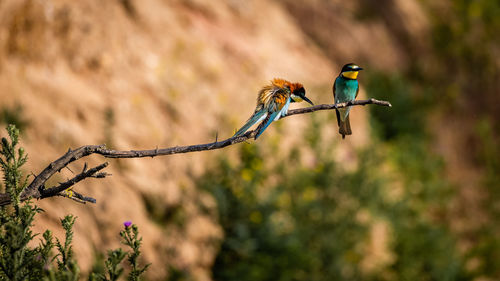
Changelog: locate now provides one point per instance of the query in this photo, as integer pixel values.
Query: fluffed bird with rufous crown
(345, 89)
(272, 103)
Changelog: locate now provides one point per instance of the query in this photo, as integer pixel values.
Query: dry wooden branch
(55, 190)
(36, 189)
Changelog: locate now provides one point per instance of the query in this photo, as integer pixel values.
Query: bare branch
(335, 106)
(36, 188)
(83, 198)
(55, 190)
(33, 189)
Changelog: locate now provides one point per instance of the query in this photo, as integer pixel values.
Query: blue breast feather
(345, 89)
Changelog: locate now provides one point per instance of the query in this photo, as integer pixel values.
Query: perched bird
(346, 89)
(272, 103)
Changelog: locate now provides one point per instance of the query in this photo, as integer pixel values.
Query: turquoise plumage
(257, 117)
(345, 89)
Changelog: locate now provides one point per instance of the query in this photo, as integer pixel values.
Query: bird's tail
(267, 121)
(256, 117)
(344, 126)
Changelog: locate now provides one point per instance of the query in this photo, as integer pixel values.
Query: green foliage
(407, 115)
(465, 46)
(14, 116)
(176, 274)
(465, 78)
(68, 268)
(487, 250)
(284, 220)
(115, 257)
(130, 237)
(18, 261)
(11, 161)
(163, 215)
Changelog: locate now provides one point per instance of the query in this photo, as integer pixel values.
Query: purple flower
(127, 224)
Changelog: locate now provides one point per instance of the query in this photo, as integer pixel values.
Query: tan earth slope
(142, 74)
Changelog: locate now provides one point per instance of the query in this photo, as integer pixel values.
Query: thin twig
(83, 198)
(69, 169)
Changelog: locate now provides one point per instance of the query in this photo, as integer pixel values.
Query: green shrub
(18, 261)
(285, 220)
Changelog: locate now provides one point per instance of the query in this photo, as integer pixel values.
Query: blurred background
(413, 194)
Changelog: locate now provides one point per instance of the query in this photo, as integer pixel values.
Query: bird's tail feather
(256, 117)
(267, 121)
(338, 116)
(344, 127)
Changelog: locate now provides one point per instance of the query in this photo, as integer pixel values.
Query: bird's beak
(308, 100)
(358, 68)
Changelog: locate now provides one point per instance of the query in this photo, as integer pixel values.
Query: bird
(345, 89)
(272, 103)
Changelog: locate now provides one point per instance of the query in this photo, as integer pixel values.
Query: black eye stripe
(300, 91)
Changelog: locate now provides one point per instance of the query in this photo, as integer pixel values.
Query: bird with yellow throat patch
(272, 103)
(345, 89)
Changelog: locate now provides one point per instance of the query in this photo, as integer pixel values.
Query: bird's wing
(264, 95)
(267, 121)
(254, 119)
(335, 101)
(278, 105)
(357, 92)
(278, 100)
(284, 109)
(333, 89)
(269, 93)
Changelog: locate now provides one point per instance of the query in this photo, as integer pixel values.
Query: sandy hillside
(142, 74)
